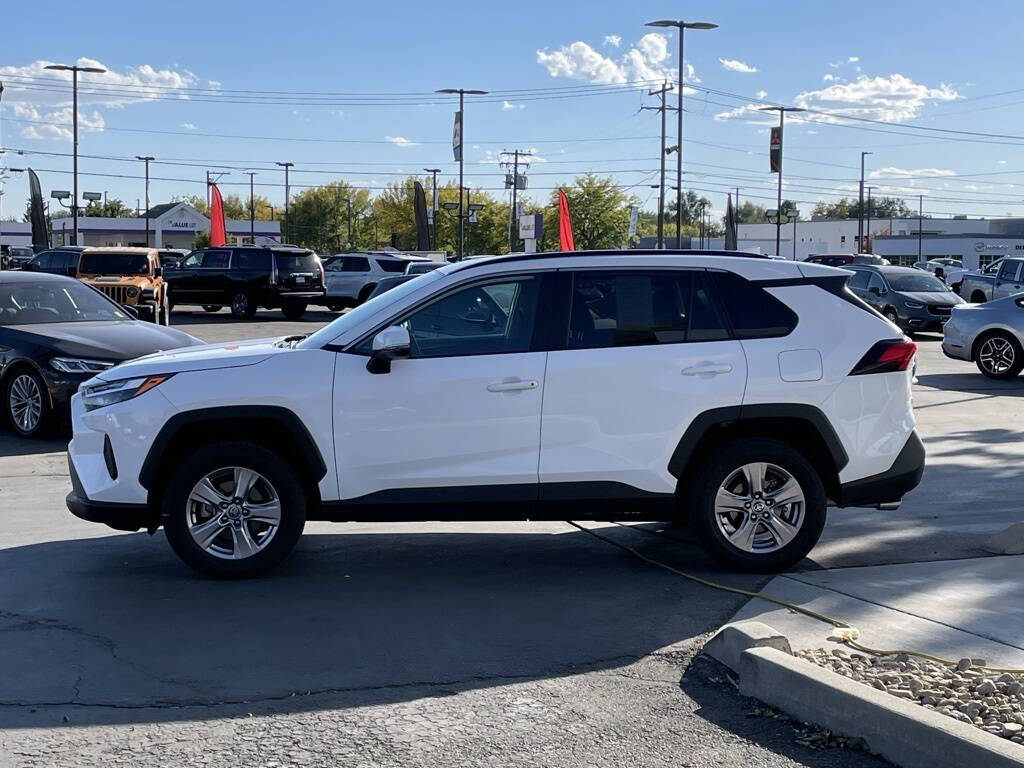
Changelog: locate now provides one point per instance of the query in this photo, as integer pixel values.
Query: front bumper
(889, 486)
(120, 517)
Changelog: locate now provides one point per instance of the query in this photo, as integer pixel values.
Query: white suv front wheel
(757, 505)
(233, 509)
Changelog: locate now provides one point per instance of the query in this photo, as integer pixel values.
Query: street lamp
(287, 193)
(868, 232)
(461, 143)
(680, 25)
(74, 69)
(782, 121)
(860, 205)
(146, 159)
(252, 208)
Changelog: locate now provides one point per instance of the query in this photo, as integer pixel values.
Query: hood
(105, 340)
(199, 358)
(942, 298)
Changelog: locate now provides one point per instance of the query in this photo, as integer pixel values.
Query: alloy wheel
(233, 513)
(240, 304)
(26, 403)
(759, 508)
(997, 355)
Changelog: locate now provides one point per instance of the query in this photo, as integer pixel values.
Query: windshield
(21, 252)
(923, 282)
(367, 309)
(289, 263)
(54, 302)
(112, 263)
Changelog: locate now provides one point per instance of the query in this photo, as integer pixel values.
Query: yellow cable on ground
(850, 641)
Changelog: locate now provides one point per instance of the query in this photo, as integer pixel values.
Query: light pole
(860, 205)
(74, 69)
(920, 223)
(778, 210)
(681, 26)
(252, 208)
(433, 207)
(146, 159)
(287, 193)
(867, 232)
(461, 143)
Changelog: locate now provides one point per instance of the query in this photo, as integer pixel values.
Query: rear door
(250, 272)
(210, 282)
(1009, 279)
(348, 277)
(644, 352)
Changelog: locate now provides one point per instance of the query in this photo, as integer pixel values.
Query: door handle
(512, 385)
(707, 369)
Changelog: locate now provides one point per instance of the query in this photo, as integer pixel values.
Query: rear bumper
(889, 486)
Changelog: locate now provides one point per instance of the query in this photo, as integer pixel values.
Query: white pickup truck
(1001, 278)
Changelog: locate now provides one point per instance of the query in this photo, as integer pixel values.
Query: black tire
(20, 384)
(364, 293)
(283, 479)
(723, 464)
(892, 316)
(995, 350)
(212, 307)
(243, 307)
(335, 306)
(293, 310)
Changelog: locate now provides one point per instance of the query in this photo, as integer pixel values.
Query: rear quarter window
(753, 312)
(392, 265)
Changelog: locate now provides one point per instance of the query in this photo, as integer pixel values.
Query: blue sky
(906, 63)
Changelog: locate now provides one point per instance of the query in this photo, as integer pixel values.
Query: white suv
(743, 394)
(351, 277)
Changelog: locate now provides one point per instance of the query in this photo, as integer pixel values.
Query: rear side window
(216, 259)
(626, 308)
(356, 264)
(754, 313)
(392, 265)
(255, 261)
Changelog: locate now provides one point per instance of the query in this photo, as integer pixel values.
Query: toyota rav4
(743, 395)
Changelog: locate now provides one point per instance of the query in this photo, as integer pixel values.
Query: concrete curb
(901, 731)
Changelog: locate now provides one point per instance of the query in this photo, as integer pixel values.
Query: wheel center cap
(234, 511)
(758, 506)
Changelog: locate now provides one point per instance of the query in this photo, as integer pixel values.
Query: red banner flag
(565, 241)
(217, 236)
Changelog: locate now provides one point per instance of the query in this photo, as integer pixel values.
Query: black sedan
(55, 333)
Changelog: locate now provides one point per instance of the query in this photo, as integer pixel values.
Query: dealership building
(171, 225)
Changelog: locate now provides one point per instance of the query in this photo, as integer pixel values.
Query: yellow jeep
(130, 276)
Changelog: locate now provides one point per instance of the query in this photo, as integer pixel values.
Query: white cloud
(735, 65)
(762, 94)
(612, 40)
(647, 61)
(508, 105)
(891, 171)
(401, 141)
(750, 111)
(853, 59)
(830, 78)
(1002, 162)
(189, 126)
(895, 98)
(52, 106)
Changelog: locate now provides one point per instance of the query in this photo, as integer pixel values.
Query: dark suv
(245, 278)
(62, 260)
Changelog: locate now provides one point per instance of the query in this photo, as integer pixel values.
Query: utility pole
(74, 70)
(252, 208)
(459, 150)
(146, 159)
(867, 232)
(860, 206)
(287, 201)
(778, 211)
(349, 201)
(433, 207)
(514, 164)
(665, 88)
(920, 223)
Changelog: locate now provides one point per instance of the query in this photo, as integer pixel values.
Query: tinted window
(615, 309)
(860, 279)
(754, 313)
(258, 261)
(70, 260)
(292, 263)
(356, 264)
(1008, 270)
(54, 302)
(193, 260)
(114, 263)
(876, 281)
(44, 260)
(487, 319)
(216, 259)
(334, 265)
(392, 265)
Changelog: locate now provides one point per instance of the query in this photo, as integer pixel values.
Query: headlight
(132, 292)
(913, 305)
(79, 365)
(110, 392)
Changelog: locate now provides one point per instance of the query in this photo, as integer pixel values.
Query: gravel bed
(969, 692)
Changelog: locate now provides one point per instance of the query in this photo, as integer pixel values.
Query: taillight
(323, 276)
(886, 357)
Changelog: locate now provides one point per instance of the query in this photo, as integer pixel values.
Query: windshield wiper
(290, 341)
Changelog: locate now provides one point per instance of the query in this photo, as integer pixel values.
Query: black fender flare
(309, 452)
(717, 417)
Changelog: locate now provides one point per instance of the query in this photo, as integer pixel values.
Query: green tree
(599, 211)
(318, 217)
(112, 208)
(881, 207)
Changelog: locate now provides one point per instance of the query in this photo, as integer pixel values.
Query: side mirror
(875, 290)
(132, 312)
(158, 271)
(940, 273)
(389, 344)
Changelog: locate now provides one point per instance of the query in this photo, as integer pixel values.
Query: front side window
(253, 260)
(1008, 270)
(483, 319)
(626, 308)
(876, 281)
(193, 260)
(334, 265)
(216, 259)
(860, 279)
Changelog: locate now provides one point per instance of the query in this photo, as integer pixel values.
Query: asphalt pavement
(417, 644)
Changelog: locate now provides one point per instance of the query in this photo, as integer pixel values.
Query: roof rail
(470, 262)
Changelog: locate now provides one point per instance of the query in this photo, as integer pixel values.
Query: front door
(646, 352)
(1009, 279)
(460, 418)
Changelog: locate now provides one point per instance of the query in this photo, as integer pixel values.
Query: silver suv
(351, 277)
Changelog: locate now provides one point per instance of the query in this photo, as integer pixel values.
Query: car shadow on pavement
(12, 445)
(118, 630)
(972, 383)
